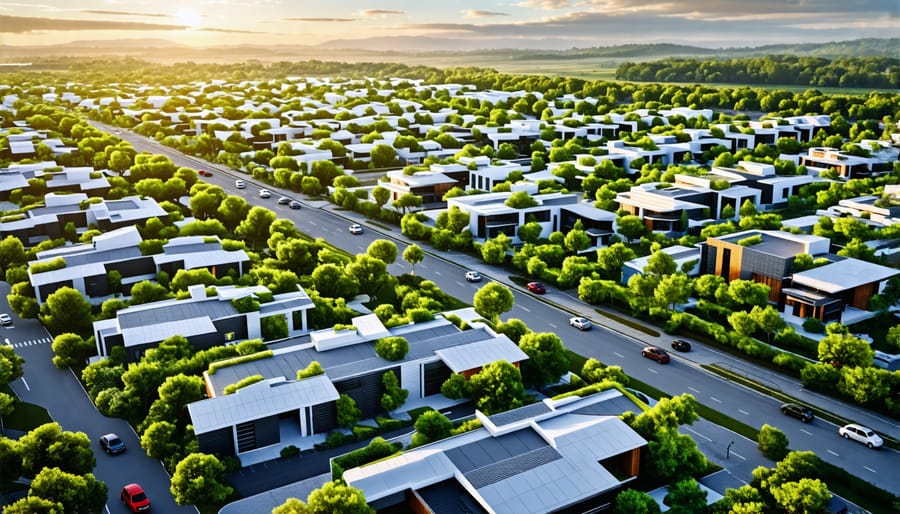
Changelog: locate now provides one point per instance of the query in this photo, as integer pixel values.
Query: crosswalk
(32, 342)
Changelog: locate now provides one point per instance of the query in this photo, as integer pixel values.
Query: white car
(264, 193)
(580, 323)
(240, 184)
(355, 229)
(5, 319)
(861, 434)
(473, 276)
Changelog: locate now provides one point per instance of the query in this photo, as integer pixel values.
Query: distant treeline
(783, 70)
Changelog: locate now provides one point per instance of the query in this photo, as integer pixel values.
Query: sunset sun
(187, 17)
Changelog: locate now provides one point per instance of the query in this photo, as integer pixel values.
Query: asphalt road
(680, 376)
(61, 394)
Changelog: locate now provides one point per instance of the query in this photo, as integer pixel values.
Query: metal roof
(843, 275)
(475, 355)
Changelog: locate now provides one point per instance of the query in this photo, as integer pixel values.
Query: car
(284, 200)
(134, 497)
(204, 173)
(5, 319)
(536, 287)
(355, 229)
(473, 276)
(795, 410)
(294, 204)
(862, 434)
(112, 444)
(240, 184)
(656, 353)
(580, 323)
(681, 345)
(264, 193)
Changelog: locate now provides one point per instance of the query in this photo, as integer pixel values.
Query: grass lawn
(26, 416)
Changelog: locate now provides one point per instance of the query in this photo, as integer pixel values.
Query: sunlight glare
(188, 17)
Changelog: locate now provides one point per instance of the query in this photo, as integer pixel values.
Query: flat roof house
(568, 455)
(238, 423)
(205, 321)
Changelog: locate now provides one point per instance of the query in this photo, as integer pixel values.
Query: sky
(489, 23)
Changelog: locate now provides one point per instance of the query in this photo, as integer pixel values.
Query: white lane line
(653, 371)
(834, 453)
(619, 355)
(552, 325)
(423, 266)
(460, 284)
(313, 223)
(738, 455)
(806, 432)
(526, 309)
(870, 469)
(694, 389)
(699, 434)
(438, 273)
(713, 398)
(26, 384)
(742, 411)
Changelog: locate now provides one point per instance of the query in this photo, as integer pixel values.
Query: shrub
(377, 449)
(313, 369)
(290, 451)
(51, 265)
(215, 366)
(392, 348)
(814, 326)
(244, 382)
(467, 426)
(362, 432)
(455, 387)
(772, 442)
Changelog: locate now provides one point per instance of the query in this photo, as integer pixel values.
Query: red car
(536, 287)
(134, 497)
(204, 173)
(656, 353)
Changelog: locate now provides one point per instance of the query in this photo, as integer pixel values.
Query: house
(489, 215)
(430, 185)
(205, 321)
(681, 254)
(846, 165)
(825, 292)
(568, 455)
(86, 267)
(663, 208)
(252, 418)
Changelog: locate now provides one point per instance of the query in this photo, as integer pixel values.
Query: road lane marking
(619, 355)
(694, 389)
(438, 273)
(651, 370)
(552, 325)
(460, 284)
(806, 432)
(833, 453)
(713, 398)
(526, 309)
(870, 469)
(698, 433)
(742, 411)
(26, 384)
(738, 455)
(313, 223)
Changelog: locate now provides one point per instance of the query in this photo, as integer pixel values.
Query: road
(61, 394)
(682, 375)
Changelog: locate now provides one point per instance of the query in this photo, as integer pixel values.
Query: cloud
(317, 20)
(379, 12)
(482, 14)
(22, 24)
(545, 4)
(123, 13)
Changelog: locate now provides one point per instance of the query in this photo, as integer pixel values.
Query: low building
(569, 455)
(681, 254)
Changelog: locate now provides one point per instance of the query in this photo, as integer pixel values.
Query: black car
(294, 204)
(681, 345)
(112, 444)
(798, 411)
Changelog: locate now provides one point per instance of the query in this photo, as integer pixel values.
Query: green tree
(199, 478)
(631, 227)
(394, 396)
(660, 264)
(10, 364)
(632, 501)
(595, 371)
(413, 255)
(255, 227)
(10, 460)
(497, 387)
(335, 497)
(78, 493)
(685, 497)
(530, 232)
(383, 155)
(12, 253)
(845, 350)
(347, 411)
(66, 310)
(392, 348)
(520, 200)
(512, 328)
(492, 300)
(742, 323)
(431, 426)
(147, 292)
(70, 350)
(772, 442)
(612, 258)
(547, 358)
(676, 456)
(767, 319)
(672, 290)
(383, 250)
(48, 446)
(34, 505)
(160, 441)
(381, 195)
(232, 210)
(407, 201)
(865, 384)
(805, 496)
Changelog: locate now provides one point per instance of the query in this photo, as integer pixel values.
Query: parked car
(204, 173)
(795, 410)
(294, 204)
(284, 200)
(5, 319)
(656, 353)
(862, 434)
(134, 497)
(240, 184)
(537, 287)
(112, 444)
(356, 229)
(473, 276)
(681, 345)
(264, 193)
(580, 323)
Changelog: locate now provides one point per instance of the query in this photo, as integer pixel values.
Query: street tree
(10, 364)
(407, 201)
(10, 459)
(369, 272)
(67, 310)
(160, 440)
(49, 446)
(773, 443)
(742, 323)
(255, 227)
(70, 349)
(79, 493)
(232, 210)
(383, 250)
(595, 371)
(611, 259)
(413, 255)
(330, 280)
(493, 251)
(497, 387)
(865, 384)
(672, 290)
(34, 505)
(492, 300)
(805, 496)
(547, 358)
(767, 319)
(512, 328)
(199, 478)
(381, 195)
(845, 350)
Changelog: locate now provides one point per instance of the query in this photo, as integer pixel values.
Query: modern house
(682, 255)
(664, 208)
(204, 320)
(568, 455)
(256, 416)
(86, 267)
(846, 165)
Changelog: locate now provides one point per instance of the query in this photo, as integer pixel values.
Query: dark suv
(798, 411)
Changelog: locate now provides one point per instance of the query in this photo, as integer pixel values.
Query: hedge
(215, 366)
(244, 382)
(376, 450)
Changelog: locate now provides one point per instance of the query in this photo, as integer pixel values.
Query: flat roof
(481, 353)
(843, 275)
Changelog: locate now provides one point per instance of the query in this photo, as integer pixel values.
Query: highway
(682, 375)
